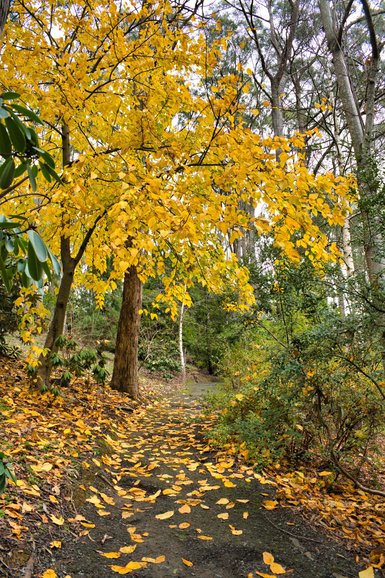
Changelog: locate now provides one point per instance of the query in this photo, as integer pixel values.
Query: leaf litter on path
(155, 494)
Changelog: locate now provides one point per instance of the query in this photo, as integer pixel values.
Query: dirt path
(193, 516)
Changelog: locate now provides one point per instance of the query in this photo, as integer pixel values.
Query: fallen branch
(350, 477)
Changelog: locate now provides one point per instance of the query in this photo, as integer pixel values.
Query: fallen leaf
(127, 549)
(184, 525)
(223, 501)
(234, 531)
(201, 537)
(187, 562)
(245, 515)
(224, 516)
(110, 554)
(157, 560)
(268, 558)
(49, 574)
(59, 521)
(277, 568)
(130, 567)
(269, 504)
(263, 575)
(55, 544)
(185, 509)
(165, 515)
(368, 573)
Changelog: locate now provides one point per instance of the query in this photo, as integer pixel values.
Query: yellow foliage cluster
(160, 158)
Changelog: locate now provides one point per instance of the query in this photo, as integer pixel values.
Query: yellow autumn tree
(156, 160)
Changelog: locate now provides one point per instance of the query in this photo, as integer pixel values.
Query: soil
(165, 465)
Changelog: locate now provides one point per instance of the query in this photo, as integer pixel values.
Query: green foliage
(23, 253)
(75, 361)
(19, 144)
(8, 320)
(304, 382)
(158, 340)
(209, 329)
(6, 472)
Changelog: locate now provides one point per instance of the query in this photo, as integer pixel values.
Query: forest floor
(107, 487)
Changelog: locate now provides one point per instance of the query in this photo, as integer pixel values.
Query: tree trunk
(4, 9)
(347, 249)
(181, 352)
(57, 323)
(125, 372)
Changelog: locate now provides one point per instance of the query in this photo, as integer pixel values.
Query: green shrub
(302, 401)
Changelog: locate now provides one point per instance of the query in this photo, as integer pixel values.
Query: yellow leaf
(55, 544)
(205, 537)
(49, 574)
(269, 504)
(127, 549)
(224, 516)
(234, 531)
(268, 558)
(128, 568)
(110, 554)
(223, 501)
(58, 521)
(184, 525)
(277, 568)
(165, 515)
(157, 560)
(245, 515)
(368, 573)
(185, 509)
(263, 575)
(187, 562)
(229, 484)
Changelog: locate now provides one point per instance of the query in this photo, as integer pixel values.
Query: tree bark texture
(58, 319)
(4, 10)
(181, 351)
(125, 372)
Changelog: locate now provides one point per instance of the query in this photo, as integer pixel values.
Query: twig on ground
(8, 570)
(105, 480)
(290, 533)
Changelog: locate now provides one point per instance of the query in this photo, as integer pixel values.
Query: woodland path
(170, 490)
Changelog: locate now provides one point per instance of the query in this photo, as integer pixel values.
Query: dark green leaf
(45, 173)
(8, 225)
(34, 137)
(47, 270)
(26, 112)
(53, 173)
(32, 179)
(20, 169)
(34, 266)
(5, 142)
(7, 172)
(5, 274)
(48, 159)
(16, 135)
(9, 245)
(55, 263)
(10, 95)
(38, 246)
